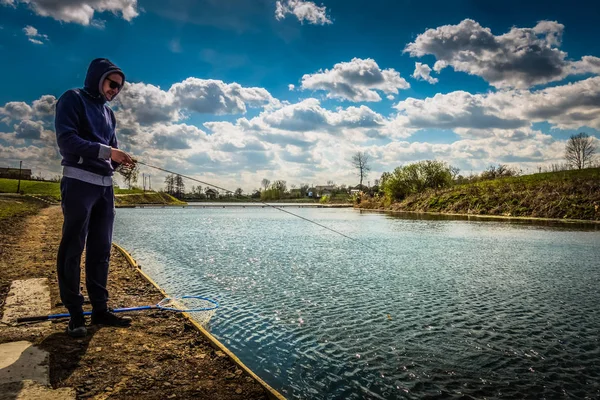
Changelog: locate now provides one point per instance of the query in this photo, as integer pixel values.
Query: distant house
(211, 194)
(321, 188)
(358, 188)
(324, 190)
(13, 173)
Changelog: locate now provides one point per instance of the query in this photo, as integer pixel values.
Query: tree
(179, 186)
(303, 189)
(265, 183)
(415, 178)
(360, 162)
(454, 172)
(580, 150)
(130, 174)
(238, 192)
(280, 186)
(170, 184)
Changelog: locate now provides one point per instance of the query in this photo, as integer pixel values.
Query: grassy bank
(51, 191)
(132, 199)
(562, 195)
(13, 207)
(48, 190)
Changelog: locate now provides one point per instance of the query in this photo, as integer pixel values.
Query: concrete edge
(272, 393)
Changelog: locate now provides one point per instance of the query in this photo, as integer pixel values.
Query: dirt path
(161, 356)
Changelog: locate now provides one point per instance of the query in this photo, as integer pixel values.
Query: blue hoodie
(85, 127)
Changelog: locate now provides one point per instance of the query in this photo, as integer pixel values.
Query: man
(85, 132)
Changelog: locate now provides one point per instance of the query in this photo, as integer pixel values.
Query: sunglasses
(113, 84)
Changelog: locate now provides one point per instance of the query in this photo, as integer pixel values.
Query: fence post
(19, 184)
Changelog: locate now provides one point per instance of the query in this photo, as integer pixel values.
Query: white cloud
(175, 136)
(28, 129)
(34, 36)
(521, 58)
(455, 110)
(308, 115)
(303, 10)
(147, 104)
(291, 87)
(423, 71)
(568, 106)
(357, 80)
(78, 11)
(44, 106)
(211, 96)
(15, 110)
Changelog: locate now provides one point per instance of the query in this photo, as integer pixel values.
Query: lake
(415, 307)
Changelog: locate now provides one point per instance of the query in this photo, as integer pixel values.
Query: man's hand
(121, 157)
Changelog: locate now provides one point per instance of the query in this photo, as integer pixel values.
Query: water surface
(436, 308)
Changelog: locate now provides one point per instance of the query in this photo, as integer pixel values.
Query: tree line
(431, 174)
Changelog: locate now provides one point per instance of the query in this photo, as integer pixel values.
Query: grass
(129, 191)
(51, 191)
(15, 207)
(558, 195)
(131, 199)
(46, 189)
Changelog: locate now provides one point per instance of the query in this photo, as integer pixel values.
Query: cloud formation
(521, 58)
(78, 11)
(34, 36)
(303, 10)
(357, 80)
(423, 72)
(216, 97)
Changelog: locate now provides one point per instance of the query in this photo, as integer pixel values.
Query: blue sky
(501, 91)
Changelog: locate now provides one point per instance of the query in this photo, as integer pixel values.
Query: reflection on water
(434, 307)
(531, 222)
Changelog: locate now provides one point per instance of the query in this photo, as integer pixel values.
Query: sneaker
(76, 327)
(107, 317)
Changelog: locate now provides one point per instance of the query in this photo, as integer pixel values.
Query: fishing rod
(254, 200)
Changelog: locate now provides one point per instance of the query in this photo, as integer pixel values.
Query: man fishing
(85, 133)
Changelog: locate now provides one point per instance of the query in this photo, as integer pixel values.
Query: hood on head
(98, 70)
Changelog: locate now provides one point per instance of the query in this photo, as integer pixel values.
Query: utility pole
(19, 184)
(149, 183)
(144, 184)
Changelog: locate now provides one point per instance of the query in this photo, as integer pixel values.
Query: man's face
(112, 86)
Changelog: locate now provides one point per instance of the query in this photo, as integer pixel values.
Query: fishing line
(256, 201)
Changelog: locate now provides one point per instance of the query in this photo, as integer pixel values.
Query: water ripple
(443, 309)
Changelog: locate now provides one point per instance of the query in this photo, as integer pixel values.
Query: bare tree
(580, 150)
(265, 183)
(130, 174)
(360, 162)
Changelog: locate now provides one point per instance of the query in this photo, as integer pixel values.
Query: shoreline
(271, 393)
(484, 216)
(162, 355)
(237, 205)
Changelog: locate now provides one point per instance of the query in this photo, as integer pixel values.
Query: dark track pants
(89, 212)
